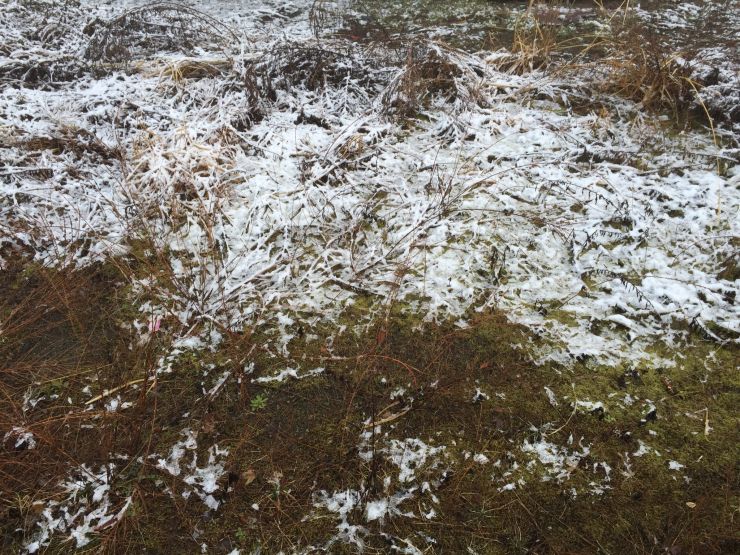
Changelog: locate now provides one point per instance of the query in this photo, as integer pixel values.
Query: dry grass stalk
(433, 70)
(152, 28)
(192, 68)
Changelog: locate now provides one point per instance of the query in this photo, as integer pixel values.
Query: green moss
(304, 438)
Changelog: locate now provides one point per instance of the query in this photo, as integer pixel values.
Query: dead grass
(321, 16)
(316, 67)
(432, 71)
(645, 70)
(157, 27)
(537, 38)
(184, 69)
(625, 57)
(62, 331)
(68, 139)
(48, 73)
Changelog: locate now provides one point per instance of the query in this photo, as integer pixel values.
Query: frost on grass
(85, 507)
(559, 461)
(596, 230)
(413, 469)
(276, 183)
(201, 479)
(89, 501)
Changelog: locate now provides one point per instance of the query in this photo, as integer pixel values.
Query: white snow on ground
(201, 479)
(288, 373)
(415, 464)
(78, 512)
(598, 229)
(20, 438)
(559, 461)
(515, 203)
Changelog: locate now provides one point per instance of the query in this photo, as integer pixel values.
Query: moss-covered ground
(471, 390)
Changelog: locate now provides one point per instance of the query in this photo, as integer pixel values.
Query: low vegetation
(314, 282)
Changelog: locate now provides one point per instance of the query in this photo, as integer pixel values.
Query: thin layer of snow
(598, 231)
(202, 479)
(410, 455)
(471, 192)
(559, 461)
(675, 465)
(20, 438)
(289, 373)
(78, 514)
(480, 458)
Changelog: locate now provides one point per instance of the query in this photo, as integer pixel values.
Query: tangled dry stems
(536, 41)
(645, 70)
(153, 28)
(433, 70)
(313, 67)
(625, 57)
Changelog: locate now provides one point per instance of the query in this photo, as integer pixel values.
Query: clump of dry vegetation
(40, 55)
(645, 69)
(538, 38)
(433, 71)
(45, 72)
(182, 70)
(157, 27)
(624, 56)
(315, 67)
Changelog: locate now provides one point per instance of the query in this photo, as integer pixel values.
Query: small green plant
(258, 402)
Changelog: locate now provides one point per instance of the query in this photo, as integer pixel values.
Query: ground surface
(369, 276)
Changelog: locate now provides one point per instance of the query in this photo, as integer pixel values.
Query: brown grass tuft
(432, 70)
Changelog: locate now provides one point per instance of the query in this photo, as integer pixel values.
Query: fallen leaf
(248, 476)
